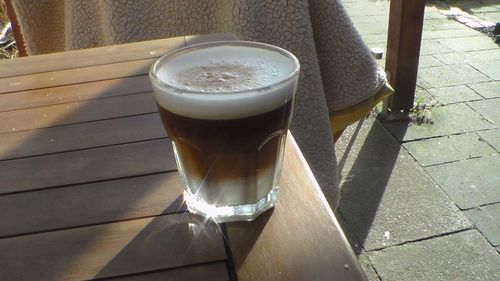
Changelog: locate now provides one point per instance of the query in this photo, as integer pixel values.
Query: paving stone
(454, 94)
(451, 75)
(368, 268)
(432, 14)
(468, 57)
(490, 68)
(384, 192)
(475, 6)
(463, 256)
(422, 83)
(370, 28)
(450, 119)
(448, 149)
(492, 137)
(377, 19)
(487, 220)
(422, 95)
(377, 39)
(470, 183)
(442, 24)
(438, 34)
(488, 89)
(489, 16)
(488, 108)
(494, 3)
(431, 47)
(467, 44)
(366, 8)
(428, 61)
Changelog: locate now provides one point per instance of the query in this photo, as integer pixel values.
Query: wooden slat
(111, 249)
(86, 165)
(300, 239)
(89, 57)
(205, 272)
(89, 65)
(69, 113)
(102, 55)
(69, 137)
(88, 204)
(74, 93)
(75, 75)
(197, 39)
(406, 20)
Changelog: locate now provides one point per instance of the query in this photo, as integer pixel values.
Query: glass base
(220, 214)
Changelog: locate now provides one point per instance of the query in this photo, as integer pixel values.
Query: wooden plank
(300, 239)
(76, 112)
(406, 20)
(102, 55)
(88, 204)
(109, 250)
(197, 39)
(75, 75)
(86, 165)
(75, 93)
(205, 272)
(89, 57)
(69, 137)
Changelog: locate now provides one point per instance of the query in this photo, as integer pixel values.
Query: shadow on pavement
(366, 179)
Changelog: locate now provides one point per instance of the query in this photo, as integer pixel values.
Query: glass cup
(226, 107)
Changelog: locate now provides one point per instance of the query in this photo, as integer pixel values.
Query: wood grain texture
(197, 39)
(86, 165)
(102, 55)
(75, 93)
(205, 272)
(81, 136)
(406, 20)
(76, 112)
(79, 186)
(89, 57)
(75, 75)
(88, 204)
(299, 239)
(111, 249)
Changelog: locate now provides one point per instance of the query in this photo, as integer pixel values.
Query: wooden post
(406, 18)
(18, 36)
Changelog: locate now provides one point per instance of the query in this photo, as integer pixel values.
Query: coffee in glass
(226, 107)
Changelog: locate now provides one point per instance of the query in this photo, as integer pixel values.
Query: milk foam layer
(225, 81)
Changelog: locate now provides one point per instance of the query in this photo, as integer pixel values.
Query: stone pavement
(422, 202)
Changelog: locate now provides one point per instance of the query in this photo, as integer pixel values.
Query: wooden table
(89, 188)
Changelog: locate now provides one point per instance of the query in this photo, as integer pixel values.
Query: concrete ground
(422, 202)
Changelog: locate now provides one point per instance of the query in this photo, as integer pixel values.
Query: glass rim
(158, 82)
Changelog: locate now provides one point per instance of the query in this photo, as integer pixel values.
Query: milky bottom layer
(232, 191)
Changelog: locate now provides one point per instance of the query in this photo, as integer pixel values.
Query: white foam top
(225, 80)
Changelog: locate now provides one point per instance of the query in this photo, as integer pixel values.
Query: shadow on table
(91, 201)
(244, 235)
(168, 242)
(93, 188)
(366, 179)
